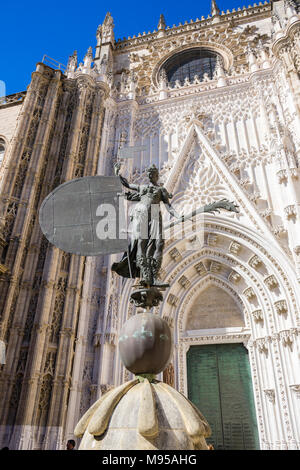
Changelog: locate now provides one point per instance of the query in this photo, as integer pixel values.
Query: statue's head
(152, 173)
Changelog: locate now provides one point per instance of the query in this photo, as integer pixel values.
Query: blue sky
(34, 28)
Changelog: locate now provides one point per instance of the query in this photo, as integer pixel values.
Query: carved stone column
(65, 351)
(20, 139)
(15, 253)
(284, 48)
(108, 353)
(95, 133)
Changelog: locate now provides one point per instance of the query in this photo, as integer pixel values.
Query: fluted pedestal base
(143, 416)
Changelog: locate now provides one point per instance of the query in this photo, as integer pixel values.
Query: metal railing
(54, 63)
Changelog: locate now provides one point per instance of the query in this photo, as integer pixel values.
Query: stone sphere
(145, 344)
(143, 416)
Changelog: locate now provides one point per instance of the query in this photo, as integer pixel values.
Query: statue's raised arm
(124, 180)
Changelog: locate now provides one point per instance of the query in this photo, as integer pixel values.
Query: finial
(163, 76)
(107, 29)
(214, 8)
(108, 20)
(89, 52)
(72, 63)
(161, 23)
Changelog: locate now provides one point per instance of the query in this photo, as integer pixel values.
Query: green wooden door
(219, 384)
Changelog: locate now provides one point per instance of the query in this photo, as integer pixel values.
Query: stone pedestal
(140, 415)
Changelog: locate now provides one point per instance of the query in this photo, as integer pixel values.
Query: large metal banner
(86, 216)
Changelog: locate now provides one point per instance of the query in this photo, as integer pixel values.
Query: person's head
(153, 174)
(70, 444)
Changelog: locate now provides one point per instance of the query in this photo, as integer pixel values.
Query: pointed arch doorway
(219, 376)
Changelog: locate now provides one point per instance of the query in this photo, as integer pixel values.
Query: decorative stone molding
(97, 340)
(262, 344)
(235, 248)
(287, 337)
(249, 293)
(280, 306)
(245, 182)
(110, 338)
(193, 243)
(290, 211)
(175, 255)
(172, 300)
(282, 176)
(279, 230)
(184, 282)
(294, 173)
(234, 277)
(215, 267)
(169, 320)
(49, 284)
(258, 315)
(297, 250)
(216, 339)
(266, 213)
(212, 239)
(42, 328)
(296, 389)
(271, 281)
(270, 394)
(254, 196)
(162, 273)
(200, 268)
(15, 98)
(68, 332)
(254, 261)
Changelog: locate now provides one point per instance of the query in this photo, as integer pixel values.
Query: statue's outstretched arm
(213, 207)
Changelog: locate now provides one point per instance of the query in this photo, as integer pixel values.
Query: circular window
(189, 63)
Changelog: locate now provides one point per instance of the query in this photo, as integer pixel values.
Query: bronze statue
(144, 256)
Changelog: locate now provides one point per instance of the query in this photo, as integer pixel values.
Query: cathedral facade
(215, 104)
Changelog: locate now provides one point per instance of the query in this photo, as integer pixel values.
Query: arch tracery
(218, 49)
(172, 271)
(268, 333)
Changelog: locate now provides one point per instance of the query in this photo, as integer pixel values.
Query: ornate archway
(259, 278)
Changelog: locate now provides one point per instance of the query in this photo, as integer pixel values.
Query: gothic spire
(107, 29)
(161, 23)
(214, 8)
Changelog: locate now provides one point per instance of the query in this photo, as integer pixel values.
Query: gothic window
(2, 150)
(58, 309)
(188, 64)
(14, 399)
(44, 401)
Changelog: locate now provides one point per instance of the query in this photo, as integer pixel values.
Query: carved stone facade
(234, 135)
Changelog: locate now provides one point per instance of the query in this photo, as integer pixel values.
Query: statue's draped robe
(145, 224)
